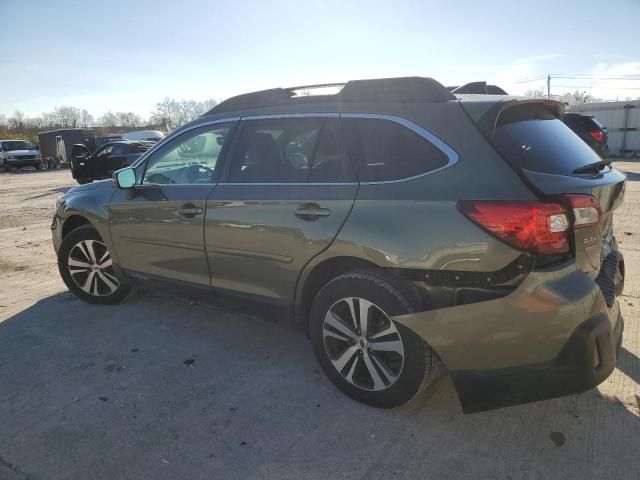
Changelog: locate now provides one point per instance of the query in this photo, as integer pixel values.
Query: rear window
(534, 139)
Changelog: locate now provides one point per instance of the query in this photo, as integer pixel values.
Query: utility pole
(548, 86)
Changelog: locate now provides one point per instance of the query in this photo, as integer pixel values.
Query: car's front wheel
(361, 349)
(86, 268)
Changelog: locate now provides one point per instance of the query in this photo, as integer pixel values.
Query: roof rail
(401, 89)
(478, 88)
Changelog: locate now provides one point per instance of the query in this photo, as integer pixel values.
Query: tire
(83, 181)
(93, 284)
(38, 166)
(410, 368)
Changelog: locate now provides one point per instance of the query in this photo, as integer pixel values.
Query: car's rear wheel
(87, 269)
(362, 350)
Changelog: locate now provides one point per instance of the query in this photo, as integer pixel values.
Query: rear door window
(290, 150)
(384, 150)
(533, 138)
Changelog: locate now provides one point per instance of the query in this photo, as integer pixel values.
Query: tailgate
(556, 163)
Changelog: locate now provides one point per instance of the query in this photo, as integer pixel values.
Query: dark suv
(590, 130)
(399, 225)
(87, 167)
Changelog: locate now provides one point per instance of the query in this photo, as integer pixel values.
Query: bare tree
(108, 119)
(171, 113)
(536, 92)
(17, 122)
(86, 119)
(129, 119)
(67, 116)
(576, 97)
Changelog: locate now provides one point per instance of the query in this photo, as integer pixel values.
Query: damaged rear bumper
(553, 336)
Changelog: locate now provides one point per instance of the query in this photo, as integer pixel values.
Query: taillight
(586, 210)
(533, 227)
(597, 135)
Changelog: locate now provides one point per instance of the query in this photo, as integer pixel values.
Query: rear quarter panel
(415, 223)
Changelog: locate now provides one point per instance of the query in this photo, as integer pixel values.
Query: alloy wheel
(363, 344)
(91, 268)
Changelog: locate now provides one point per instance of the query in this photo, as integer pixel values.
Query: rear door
(287, 191)
(556, 163)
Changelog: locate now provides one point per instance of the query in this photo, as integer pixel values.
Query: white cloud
(615, 88)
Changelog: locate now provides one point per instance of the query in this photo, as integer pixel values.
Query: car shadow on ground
(160, 387)
(51, 191)
(632, 176)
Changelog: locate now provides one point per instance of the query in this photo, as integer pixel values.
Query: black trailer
(56, 145)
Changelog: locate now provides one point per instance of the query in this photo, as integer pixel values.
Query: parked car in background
(16, 154)
(87, 167)
(590, 130)
(397, 224)
(145, 135)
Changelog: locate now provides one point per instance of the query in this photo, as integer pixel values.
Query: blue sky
(128, 55)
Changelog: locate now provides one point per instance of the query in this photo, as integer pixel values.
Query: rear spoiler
(486, 116)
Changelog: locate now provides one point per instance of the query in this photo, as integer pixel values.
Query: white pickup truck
(16, 154)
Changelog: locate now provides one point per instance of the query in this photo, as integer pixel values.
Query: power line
(597, 86)
(580, 76)
(597, 75)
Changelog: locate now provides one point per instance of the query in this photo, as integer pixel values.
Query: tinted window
(104, 152)
(385, 150)
(190, 158)
(139, 147)
(287, 150)
(119, 149)
(534, 139)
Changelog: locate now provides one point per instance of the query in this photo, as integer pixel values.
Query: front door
(286, 192)
(96, 164)
(157, 227)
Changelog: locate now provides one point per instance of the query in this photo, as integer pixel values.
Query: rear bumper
(553, 336)
(577, 368)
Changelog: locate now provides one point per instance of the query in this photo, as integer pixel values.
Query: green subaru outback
(402, 227)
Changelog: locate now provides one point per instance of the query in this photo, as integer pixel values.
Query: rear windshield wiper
(594, 167)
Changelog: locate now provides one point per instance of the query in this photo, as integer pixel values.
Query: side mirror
(125, 178)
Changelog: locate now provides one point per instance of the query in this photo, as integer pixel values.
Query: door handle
(312, 212)
(189, 210)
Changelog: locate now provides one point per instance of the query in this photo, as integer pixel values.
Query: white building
(622, 120)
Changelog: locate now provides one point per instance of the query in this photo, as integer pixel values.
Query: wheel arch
(74, 221)
(316, 275)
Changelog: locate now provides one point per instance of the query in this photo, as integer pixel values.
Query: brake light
(597, 135)
(586, 210)
(533, 227)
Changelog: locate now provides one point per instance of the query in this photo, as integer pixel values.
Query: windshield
(17, 145)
